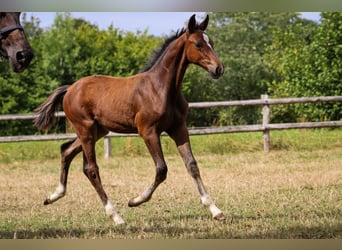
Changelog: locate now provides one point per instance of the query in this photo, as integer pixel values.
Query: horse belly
(117, 122)
(115, 114)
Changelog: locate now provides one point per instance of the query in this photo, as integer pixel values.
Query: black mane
(158, 52)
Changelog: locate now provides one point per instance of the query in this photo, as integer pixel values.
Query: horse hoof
(118, 220)
(219, 217)
(47, 202)
(132, 203)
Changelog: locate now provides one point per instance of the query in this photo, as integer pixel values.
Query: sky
(156, 23)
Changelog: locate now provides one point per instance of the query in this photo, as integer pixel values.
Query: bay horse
(14, 45)
(147, 103)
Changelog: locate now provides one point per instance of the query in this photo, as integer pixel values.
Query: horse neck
(171, 66)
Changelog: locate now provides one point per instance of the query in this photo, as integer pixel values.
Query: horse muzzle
(216, 72)
(22, 60)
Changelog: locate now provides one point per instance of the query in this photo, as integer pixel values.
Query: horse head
(200, 48)
(14, 45)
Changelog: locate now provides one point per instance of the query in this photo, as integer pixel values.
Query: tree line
(280, 54)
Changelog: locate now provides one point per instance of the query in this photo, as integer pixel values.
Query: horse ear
(203, 25)
(192, 24)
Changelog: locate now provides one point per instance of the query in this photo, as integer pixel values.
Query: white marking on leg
(207, 201)
(145, 196)
(59, 193)
(111, 212)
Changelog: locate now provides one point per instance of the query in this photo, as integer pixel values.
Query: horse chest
(169, 116)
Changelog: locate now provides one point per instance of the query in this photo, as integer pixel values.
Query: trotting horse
(147, 103)
(14, 45)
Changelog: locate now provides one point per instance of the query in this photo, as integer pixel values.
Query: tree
(308, 61)
(241, 41)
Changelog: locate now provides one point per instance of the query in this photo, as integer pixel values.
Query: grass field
(295, 191)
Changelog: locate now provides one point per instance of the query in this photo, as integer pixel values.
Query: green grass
(295, 191)
(303, 140)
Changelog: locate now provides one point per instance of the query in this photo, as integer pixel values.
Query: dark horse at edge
(13, 43)
(147, 103)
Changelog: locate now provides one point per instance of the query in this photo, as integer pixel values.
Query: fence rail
(265, 127)
(266, 101)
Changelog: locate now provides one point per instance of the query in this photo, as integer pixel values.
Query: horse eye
(198, 45)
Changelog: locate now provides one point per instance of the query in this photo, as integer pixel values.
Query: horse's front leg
(152, 142)
(181, 137)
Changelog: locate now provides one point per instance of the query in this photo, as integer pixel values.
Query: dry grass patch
(284, 194)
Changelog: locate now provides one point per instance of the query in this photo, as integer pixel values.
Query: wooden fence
(265, 127)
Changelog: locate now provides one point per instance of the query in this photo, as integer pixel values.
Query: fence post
(107, 147)
(265, 122)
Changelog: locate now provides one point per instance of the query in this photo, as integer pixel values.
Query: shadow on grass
(301, 232)
(161, 230)
(120, 232)
(188, 225)
(44, 233)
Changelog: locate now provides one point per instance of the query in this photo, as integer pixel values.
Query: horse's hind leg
(68, 151)
(91, 169)
(181, 137)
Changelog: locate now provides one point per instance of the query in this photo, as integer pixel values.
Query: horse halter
(5, 31)
(9, 29)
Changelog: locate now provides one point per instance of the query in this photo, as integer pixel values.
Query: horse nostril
(20, 56)
(219, 71)
(24, 56)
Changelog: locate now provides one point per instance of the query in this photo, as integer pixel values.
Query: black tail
(46, 112)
